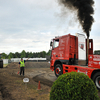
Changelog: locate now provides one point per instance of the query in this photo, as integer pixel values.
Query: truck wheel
(58, 70)
(96, 79)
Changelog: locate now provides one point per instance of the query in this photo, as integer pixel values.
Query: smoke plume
(84, 12)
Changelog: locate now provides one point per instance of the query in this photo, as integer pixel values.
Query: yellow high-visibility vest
(22, 64)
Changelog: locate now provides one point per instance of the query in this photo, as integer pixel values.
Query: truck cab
(64, 50)
(68, 53)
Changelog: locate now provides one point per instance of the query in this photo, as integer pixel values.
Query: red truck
(69, 53)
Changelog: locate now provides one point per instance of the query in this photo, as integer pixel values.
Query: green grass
(4, 65)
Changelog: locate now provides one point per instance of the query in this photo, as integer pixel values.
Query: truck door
(55, 49)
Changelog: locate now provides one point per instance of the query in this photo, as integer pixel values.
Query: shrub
(73, 86)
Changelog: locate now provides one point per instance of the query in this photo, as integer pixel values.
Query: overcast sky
(31, 24)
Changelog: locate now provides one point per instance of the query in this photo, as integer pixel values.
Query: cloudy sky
(31, 24)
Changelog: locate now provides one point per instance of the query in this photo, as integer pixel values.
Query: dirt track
(38, 71)
(13, 88)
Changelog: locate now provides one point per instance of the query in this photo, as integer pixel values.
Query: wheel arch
(94, 72)
(57, 62)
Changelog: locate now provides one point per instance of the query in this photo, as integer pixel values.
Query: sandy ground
(13, 88)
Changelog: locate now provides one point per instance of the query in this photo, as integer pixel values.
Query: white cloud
(31, 24)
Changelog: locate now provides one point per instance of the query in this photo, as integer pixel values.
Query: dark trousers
(22, 70)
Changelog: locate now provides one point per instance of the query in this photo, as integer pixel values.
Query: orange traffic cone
(18, 72)
(39, 87)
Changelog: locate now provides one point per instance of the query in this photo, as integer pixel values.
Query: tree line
(97, 52)
(25, 54)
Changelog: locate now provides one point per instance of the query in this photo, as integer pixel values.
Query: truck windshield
(55, 43)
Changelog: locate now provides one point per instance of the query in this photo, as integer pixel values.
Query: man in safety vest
(22, 65)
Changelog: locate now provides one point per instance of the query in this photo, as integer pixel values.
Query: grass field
(4, 65)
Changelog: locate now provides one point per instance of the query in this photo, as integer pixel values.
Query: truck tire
(58, 70)
(96, 80)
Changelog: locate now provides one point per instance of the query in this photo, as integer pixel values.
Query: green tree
(23, 54)
(10, 55)
(97, 52)
(30, 55)
(49, 53)
(17, 54)
(27, 54)
(42, 54)
(13, 55)
(37, 54)
(4, 56)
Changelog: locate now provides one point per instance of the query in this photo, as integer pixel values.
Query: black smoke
(84, 12)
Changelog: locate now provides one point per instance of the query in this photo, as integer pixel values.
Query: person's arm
(27, 59)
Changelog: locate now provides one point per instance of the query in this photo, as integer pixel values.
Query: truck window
(90, 45)
(55, 43)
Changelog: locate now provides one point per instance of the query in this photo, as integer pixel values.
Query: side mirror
(51, 43)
